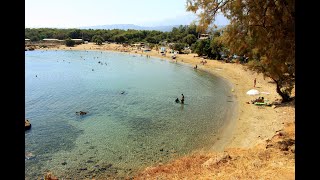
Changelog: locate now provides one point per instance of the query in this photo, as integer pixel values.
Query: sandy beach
(250, 129)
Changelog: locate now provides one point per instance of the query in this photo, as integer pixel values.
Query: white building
(50, 40)
(77, 40)
(204, 36)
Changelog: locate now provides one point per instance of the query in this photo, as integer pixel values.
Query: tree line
(183, 34)
(178, 38)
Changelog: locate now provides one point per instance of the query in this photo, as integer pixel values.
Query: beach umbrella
(252, 92)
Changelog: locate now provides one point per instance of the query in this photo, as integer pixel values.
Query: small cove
(122, 132)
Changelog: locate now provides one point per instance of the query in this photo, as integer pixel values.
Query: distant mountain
(136, 27)
(164, 25)
(183, 19)
(131, 26)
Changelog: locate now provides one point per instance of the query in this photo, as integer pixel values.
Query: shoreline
(248, 131)
(224, 133)
(247, 125)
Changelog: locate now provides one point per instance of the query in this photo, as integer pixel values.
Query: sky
(79, 13)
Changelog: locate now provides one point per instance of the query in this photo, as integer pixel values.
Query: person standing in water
(182, 99)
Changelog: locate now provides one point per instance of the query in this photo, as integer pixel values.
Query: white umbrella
(253, 92)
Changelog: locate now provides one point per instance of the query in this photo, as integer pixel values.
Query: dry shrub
(50, 176)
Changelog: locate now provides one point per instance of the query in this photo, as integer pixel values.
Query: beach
(246, 134)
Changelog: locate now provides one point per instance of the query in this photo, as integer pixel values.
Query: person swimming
(177, 100)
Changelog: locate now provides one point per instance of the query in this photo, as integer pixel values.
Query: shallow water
(132, 119)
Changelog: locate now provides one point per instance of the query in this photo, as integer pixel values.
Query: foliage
(70, 42)
(119, 38)
(190, 39)
(263, 30)
(181, 34)
(75, 34)
(217, 46)
(151, 40)
(97, 39)
(34, 38)
(202, 48)
(179, 47)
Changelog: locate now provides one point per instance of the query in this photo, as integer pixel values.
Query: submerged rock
(81, 113)
(29, 155)
(83, 169)
(90, 161)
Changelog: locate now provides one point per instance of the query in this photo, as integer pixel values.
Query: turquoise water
(122, 132)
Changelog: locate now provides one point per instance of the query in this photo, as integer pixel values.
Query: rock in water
(27, 124)
(29, 155)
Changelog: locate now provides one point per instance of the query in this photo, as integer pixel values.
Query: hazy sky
(77, 13)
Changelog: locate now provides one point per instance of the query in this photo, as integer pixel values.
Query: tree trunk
(285, 97)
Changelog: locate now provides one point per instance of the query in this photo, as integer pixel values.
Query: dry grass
(269, 160)
(50, 176)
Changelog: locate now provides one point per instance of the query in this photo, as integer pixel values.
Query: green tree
(120, 38)
(192, 29)
(190, 39)
(59, 35)
(266, 27)
(202, 48)
(216, 48)
(34, 38)
(97, 39)
(216, 45)
(179, 47)
(70, 42)
(75, 34)
(151, 40)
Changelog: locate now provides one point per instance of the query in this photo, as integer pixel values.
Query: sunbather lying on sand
(260, 99)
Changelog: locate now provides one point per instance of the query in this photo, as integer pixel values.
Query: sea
(132, 119)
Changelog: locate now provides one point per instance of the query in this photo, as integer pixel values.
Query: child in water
(177, 100)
